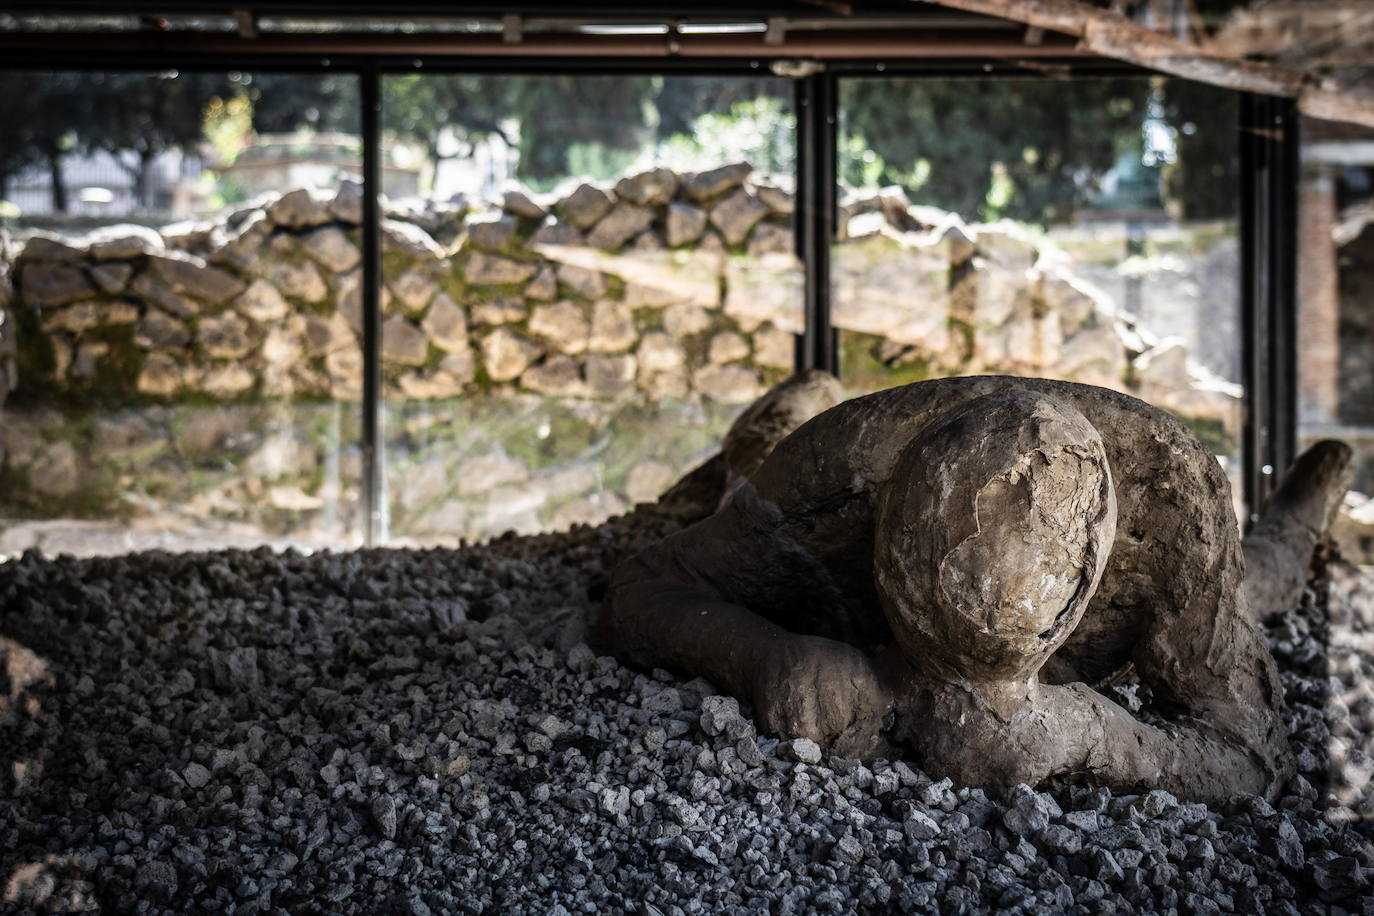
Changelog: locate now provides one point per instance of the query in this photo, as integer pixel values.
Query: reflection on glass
(180, 348)
(1081, 230)
(595, 276)
(1335, 321)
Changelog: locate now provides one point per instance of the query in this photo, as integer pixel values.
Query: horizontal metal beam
(850, 45)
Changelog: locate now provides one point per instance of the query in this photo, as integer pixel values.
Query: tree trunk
(143, 184)
(58, 182)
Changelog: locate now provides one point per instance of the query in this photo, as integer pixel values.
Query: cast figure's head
(992, 535)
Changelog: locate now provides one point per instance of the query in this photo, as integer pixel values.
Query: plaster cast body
(949, 565)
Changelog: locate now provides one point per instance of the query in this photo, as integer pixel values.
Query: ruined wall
(200, 369)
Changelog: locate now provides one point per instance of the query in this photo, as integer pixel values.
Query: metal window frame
(1269, 157)
(1269, 141)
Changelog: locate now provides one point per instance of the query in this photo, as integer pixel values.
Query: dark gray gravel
(426, 731)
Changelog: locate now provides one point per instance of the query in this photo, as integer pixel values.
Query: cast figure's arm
(657, 614)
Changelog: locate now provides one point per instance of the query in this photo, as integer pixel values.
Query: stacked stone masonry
(672, 285)
(661, 288)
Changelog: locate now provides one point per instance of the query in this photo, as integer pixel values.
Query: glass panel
(1335, 320)
(1083, 230)
(585, 282)
(179, 345)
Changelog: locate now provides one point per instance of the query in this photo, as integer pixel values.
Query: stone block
(413, 289)
(45, 284)
(506, 354)
(262, 302)
(489, 270)
(774, 347)
(702, 186)
(446, 324)
(781, 202)
(727, 347)
(161, 375)
(543, 287)
(1093, 355)
(403, 342)
(557, 376)
(613, 327)
(124, 241)
(555, 235)
(227, 381)
(347, 205)
(519, 204)
(225, 336)
(736, 215)
(399, 237)
(660, 352)
(429, 385)
(298, 280)
(563, 323)
(584, 206)
(331, 247)
(191, 276)
(498, 311)
(610, 374)
(623, 222)
(301, 208)
(648, 480)
(764, 289)
(492, 234)
(45, 247)
(653, 188)
(80, 316)
(684, 225)
(647, 242)
(685, 319)
(118, 312)
(327, 333)
(727, 384)
(582, 280)
(160, 331)
(112, 278)
(770, 238)
(461, 365)
(345, 368)
(1035, 341)
(154, 292)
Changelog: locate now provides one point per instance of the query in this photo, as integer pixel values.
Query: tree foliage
(288, 102)
(146, 116)
(1032, 149)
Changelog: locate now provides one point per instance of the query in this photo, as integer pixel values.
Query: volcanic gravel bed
(427, 731)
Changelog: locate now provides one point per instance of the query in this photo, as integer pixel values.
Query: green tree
(146, 115)
(681, 100)
(25, 111)
(287, 102)
(558, 113)
(1030, 149)
(43, 111)
(1202, 181)
(421, 108)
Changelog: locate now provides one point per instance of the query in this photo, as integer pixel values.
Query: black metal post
(374, 480)
(817, 128)
(1269, 146)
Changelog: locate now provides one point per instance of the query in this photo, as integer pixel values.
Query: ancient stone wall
(230, 343)
(677, 285)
